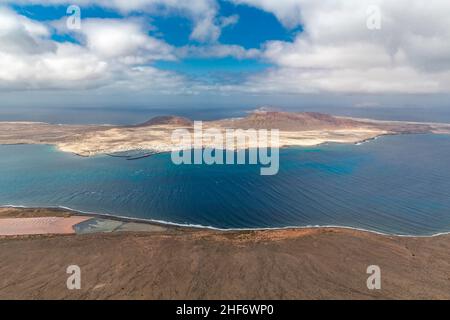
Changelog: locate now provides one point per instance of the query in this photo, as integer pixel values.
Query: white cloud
(377, 80)
(338, 53)
(218, 51)
(111, 52)
(229, 21)
(127, 40)
(19, 34)
(202, 12)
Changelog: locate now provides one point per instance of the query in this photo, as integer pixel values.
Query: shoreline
(191, 227)
(198, 227)
(189, 264)
(295, 129)
(134, 258)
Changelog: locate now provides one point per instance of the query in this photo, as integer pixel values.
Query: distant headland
(296, 129)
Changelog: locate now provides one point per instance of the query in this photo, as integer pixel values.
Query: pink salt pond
(37, 226)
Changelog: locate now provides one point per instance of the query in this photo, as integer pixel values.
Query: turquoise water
(396, 184)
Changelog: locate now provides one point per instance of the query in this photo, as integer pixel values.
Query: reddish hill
(289, 121)
(167, 120)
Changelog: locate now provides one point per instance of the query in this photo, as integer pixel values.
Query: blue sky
(253, 28)
(225, 51)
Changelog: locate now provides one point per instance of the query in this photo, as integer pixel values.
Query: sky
(352, 53)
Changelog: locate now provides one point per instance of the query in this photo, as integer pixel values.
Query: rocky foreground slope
(180, 263)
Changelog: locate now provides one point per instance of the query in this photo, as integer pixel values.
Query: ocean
(395, 185)
(133, 115)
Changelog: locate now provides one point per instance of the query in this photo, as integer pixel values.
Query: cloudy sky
(361, 52)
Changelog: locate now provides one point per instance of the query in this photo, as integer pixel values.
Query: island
(295, 129)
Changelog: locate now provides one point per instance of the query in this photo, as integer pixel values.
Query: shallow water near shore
(396, 185)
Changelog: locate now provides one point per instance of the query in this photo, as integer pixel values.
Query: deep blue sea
(396, 185)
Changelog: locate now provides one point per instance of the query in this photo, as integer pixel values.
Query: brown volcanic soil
(33, 213)
(291, 121)
(286, 121)
(198, 264)
(167, 120)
